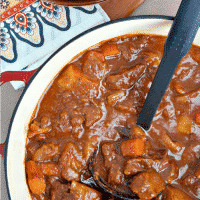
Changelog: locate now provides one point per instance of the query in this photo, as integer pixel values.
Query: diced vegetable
(148, 185)
(172, 193)
(83, 192)
(133, 148)
(116, 96)
(174, 147)
(184, 124)
(36, 180)
(50, 169)
(110, 49)
(138, 132)
(73, 79)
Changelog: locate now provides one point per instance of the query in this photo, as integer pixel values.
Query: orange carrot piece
(134, 147)
(36, 180)
(110, 49)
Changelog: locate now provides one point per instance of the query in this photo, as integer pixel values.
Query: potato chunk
(184, 125)
(148, 185)
(133, 148)
(83, 192)
(172, 193)
(73, 79)
(50, 169)
(36, 180)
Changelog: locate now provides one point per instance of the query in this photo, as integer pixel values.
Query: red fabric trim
(15, 9)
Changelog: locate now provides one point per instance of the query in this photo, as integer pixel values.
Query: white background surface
(9, 96)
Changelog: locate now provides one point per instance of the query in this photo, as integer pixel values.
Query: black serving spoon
(177, 45)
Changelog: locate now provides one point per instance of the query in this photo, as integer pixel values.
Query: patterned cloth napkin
(30, 31)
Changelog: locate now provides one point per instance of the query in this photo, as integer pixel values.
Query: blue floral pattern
(4, 36)
(7, 44)
(23, 22)
(4, 4)
(26, 25)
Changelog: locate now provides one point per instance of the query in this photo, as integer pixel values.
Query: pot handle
(16, 76)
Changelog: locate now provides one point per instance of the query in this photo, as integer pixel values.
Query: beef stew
(91, 100)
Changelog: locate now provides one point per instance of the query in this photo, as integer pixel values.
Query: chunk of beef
(192, 97)
(110, 155)
(92, 115)
(191, 154)
(90, 147)
(61, 191)
(94, 64)
(136, 165)
(173, 171)
(126, 79)
(115, 174)
(42, 127)
(46, 152)
(71, 162)
(63, 123)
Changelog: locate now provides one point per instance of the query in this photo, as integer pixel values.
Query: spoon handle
(178, 43)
